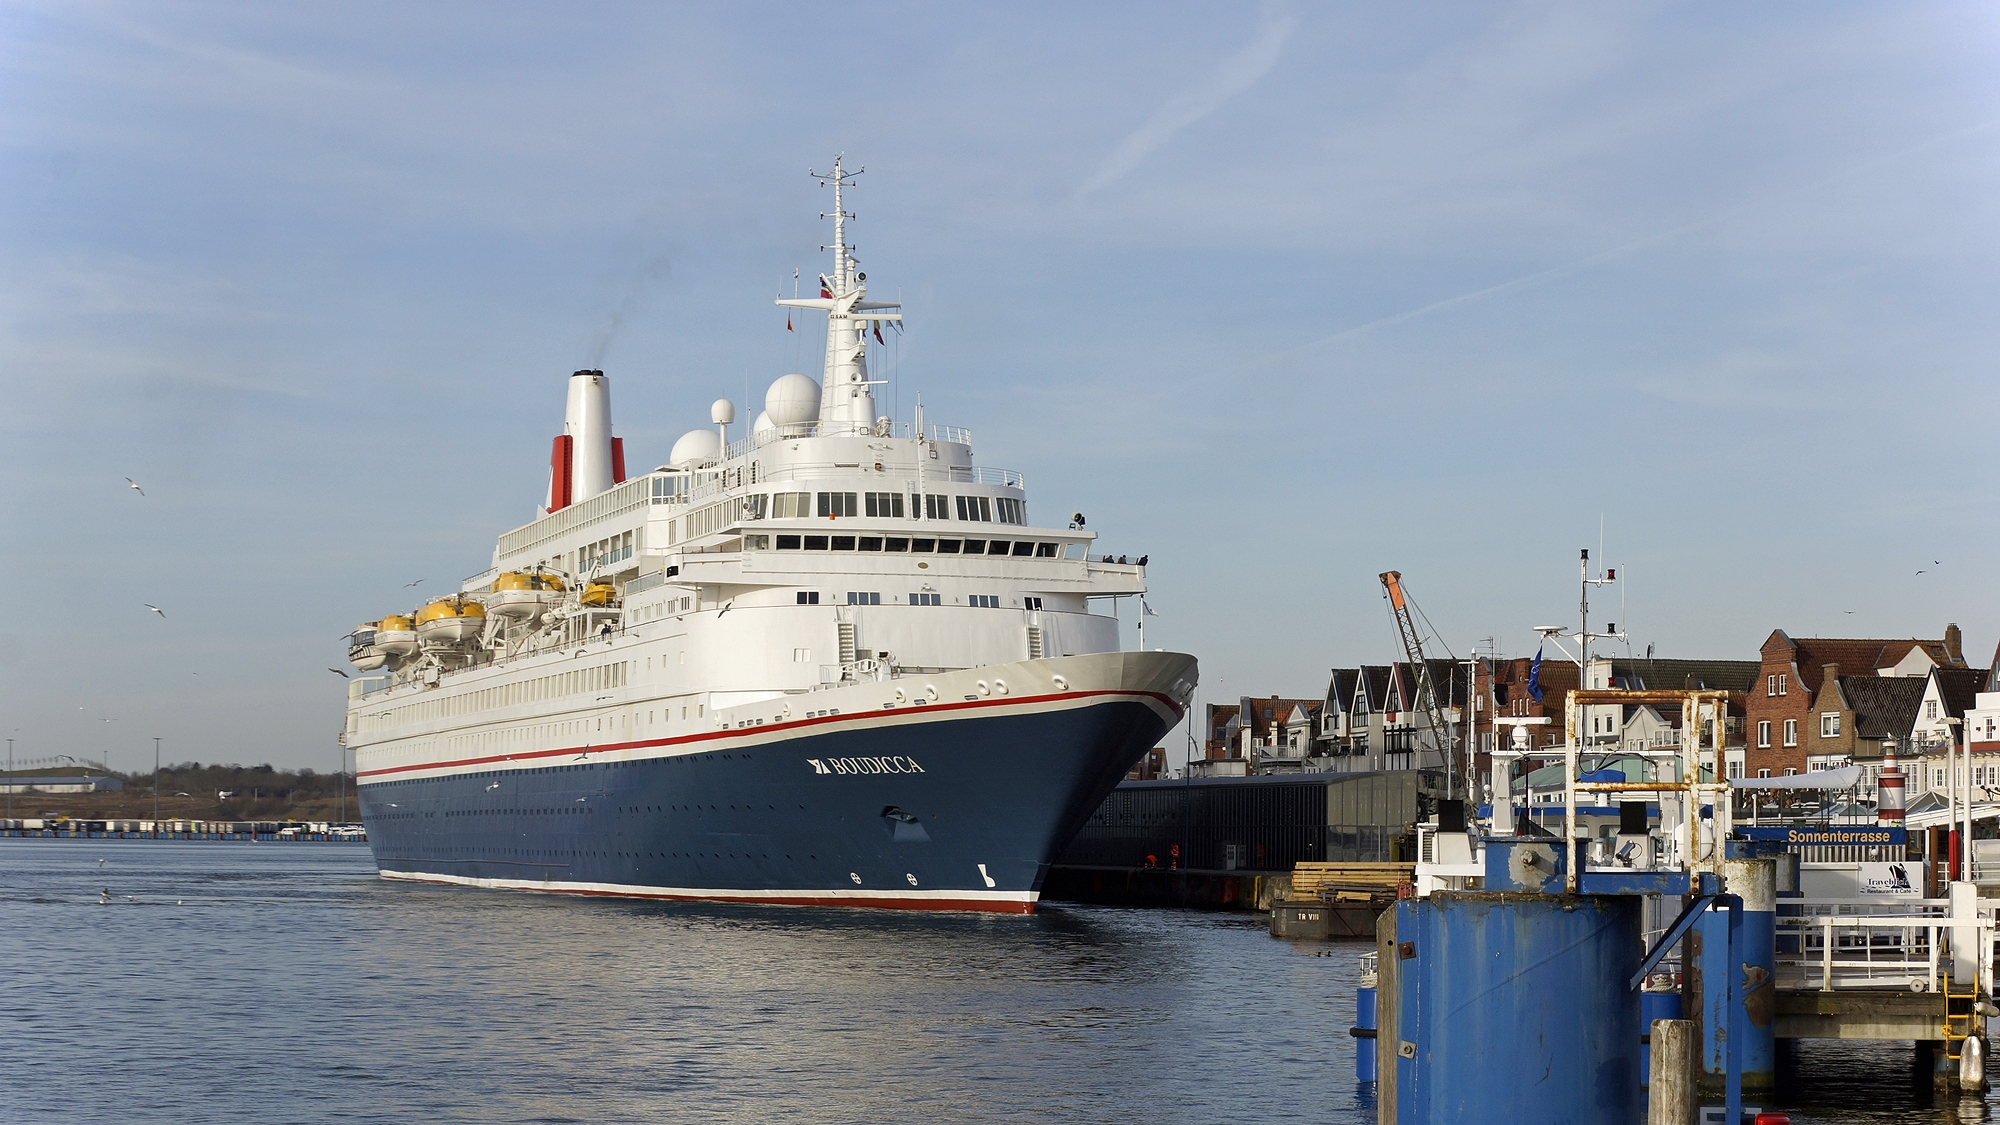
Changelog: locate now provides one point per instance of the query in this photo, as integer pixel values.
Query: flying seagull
(338, 672)
(154, 608)
(134, 485)
(492, 787)
(418, 582)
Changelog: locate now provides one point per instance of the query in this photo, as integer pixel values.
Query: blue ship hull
(963, 808)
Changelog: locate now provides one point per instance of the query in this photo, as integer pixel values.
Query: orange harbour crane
(1442, 734)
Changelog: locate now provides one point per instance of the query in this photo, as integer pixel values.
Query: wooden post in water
(1670, 1097)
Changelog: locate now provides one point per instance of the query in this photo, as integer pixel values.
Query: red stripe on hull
(748, 732)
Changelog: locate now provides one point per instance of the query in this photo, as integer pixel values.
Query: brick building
(1780, 714)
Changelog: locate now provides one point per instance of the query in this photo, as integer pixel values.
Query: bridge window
(894, 544)
(815, 542)
(926, 599)
(1045, 550)
(978, 509)
(889, 504)
(984, 601)
(946, 546)
(857, 597)
(843, 542)
(935, 507)
(788, 542)
(836, 504)
(1010, 510)
(869, 543)
(790, 505)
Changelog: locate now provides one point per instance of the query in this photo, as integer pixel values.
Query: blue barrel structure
(1653, 1006)
(1713, 983)
(1510, 1007)
(1364, 1045)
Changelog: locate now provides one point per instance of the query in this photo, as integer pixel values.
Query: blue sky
(1282, 296)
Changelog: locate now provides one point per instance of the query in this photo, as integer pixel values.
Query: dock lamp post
(156, 787)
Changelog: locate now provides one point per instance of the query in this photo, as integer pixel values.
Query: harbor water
(286, 983)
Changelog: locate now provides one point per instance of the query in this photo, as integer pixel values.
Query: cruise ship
(831, 662)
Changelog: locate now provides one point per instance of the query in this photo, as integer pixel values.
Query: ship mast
(847, 404)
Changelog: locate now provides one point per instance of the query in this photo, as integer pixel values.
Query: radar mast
(847, 404)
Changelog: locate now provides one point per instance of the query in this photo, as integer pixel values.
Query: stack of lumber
(1373, 883)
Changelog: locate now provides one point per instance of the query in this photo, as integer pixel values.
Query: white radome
(695, 447)
(792, 401)
(722, 412)
(763, 429)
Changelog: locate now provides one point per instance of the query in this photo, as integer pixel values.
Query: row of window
(874, 597)
(1791, 732)
(594, 678)
(1019, 548)
(607, 551)
(848, 505)
(1774, 685)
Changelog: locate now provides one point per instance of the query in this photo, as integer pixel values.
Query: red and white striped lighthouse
(1889, 789)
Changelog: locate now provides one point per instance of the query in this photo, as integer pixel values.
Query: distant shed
(1251, 823)
(60, 785)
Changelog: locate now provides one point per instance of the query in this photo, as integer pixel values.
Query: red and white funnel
(586, 459)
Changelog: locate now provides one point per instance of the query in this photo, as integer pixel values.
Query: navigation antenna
(847, 398)
(843, 256)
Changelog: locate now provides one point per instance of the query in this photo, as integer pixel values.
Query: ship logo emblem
(818, 766)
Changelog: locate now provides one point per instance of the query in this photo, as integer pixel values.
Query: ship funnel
(587, 460)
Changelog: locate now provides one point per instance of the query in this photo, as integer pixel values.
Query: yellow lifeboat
(396, 636)
(450, 621)
(600, 594)
(523, 597)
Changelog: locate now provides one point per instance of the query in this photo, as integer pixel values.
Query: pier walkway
(1863, 970)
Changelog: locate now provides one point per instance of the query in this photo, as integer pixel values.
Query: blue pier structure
(1511, 987)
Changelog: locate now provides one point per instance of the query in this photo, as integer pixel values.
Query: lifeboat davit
(396, 637)
(523, 597)
(362, 651)
(450, 621)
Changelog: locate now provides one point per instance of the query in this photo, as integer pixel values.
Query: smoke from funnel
(645, 280)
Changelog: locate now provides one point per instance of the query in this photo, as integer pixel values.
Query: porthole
(931, 692)
(1061, 684)
(1000, 686)
(899, 695)
(983, 689)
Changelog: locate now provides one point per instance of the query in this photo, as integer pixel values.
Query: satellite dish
(722, 412)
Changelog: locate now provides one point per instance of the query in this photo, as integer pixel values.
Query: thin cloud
(1239, 73)
(1602, 256)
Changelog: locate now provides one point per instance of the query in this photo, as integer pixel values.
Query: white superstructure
(830, 560)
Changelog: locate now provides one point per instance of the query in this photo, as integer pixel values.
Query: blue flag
(1535, 676)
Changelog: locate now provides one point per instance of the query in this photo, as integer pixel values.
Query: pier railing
(1903, 945)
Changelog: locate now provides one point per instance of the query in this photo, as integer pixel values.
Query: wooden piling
(1670, 1096)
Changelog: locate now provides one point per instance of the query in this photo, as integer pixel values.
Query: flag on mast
(788, 322)
(1535, 676)
(1146, 608)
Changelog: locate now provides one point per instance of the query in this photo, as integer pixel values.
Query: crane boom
(1427, 696)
